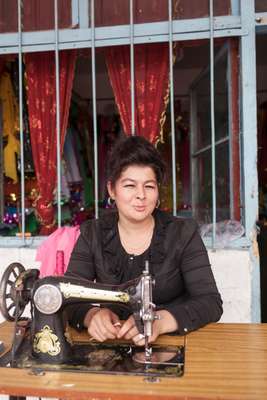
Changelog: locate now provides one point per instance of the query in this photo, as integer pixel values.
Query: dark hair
(134, 150)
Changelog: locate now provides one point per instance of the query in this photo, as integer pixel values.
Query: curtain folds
(151, 64)
(41, 92)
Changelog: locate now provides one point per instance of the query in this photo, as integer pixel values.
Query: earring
(110, 202)
(158, 203)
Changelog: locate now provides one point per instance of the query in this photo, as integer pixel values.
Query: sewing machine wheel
(8, 292)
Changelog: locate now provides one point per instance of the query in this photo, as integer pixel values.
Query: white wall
(233, 273)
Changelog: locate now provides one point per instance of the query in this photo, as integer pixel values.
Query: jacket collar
(111, 240)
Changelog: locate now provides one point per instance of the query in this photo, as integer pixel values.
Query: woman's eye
(149, 187)
(129, 185)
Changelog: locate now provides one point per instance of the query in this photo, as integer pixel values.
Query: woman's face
(135, 193)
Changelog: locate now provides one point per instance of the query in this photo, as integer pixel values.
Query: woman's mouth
(139, 208)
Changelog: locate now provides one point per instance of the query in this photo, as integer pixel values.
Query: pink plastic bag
(55, 251)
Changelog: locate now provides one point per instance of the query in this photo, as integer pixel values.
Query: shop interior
(191, 74)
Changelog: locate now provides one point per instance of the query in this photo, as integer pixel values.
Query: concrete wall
(233, 273)
(232, 270)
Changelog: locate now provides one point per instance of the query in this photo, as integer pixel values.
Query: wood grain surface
(222, 361)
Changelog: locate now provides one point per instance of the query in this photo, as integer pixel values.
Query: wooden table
(223, 361)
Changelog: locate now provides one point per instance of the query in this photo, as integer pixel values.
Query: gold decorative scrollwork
(46, 341)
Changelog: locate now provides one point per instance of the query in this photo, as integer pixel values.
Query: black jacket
(184, 283)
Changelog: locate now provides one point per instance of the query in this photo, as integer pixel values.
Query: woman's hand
(102, 324)
(165, 324)
(129, 331)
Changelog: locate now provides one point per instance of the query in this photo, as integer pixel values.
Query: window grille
(80, 25)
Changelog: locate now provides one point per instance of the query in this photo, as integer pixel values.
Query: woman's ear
(110, 190)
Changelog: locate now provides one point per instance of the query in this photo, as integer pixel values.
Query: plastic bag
(226, 232)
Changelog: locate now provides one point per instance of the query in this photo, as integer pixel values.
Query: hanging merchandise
(78, 152)
(82, 160)
(70, 159)
(28, 160)
(10, 126)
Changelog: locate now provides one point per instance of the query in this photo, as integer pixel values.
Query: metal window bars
(92, 43)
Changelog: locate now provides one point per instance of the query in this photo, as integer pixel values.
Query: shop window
(36, 172)
(226, 140)
(192, 115)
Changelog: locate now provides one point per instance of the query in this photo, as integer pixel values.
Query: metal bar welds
(208, 148)
(212, 120)
(57, 115)
(174, 189)
(22, 175)
(94, 107)
(132, 68)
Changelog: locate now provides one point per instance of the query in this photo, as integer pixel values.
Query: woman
(114, 248)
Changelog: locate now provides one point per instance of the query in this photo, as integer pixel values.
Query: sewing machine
(44, 340)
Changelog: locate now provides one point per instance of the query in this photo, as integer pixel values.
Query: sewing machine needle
(147, 350)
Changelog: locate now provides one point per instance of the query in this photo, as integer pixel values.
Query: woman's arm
(81, 265)
(101, 323)
(199, 304)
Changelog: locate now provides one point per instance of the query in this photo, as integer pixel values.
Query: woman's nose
(140, 193)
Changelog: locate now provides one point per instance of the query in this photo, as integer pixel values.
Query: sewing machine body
(45, 341)
(51, 296)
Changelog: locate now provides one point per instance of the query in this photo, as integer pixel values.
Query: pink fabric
(60, 242)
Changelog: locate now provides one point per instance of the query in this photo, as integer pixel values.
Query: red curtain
(39, 15)
(151, 86)
(41, 85)
(117, 12)
(36, 15)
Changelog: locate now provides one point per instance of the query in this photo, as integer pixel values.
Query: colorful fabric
(10, 126)
(72, 165)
